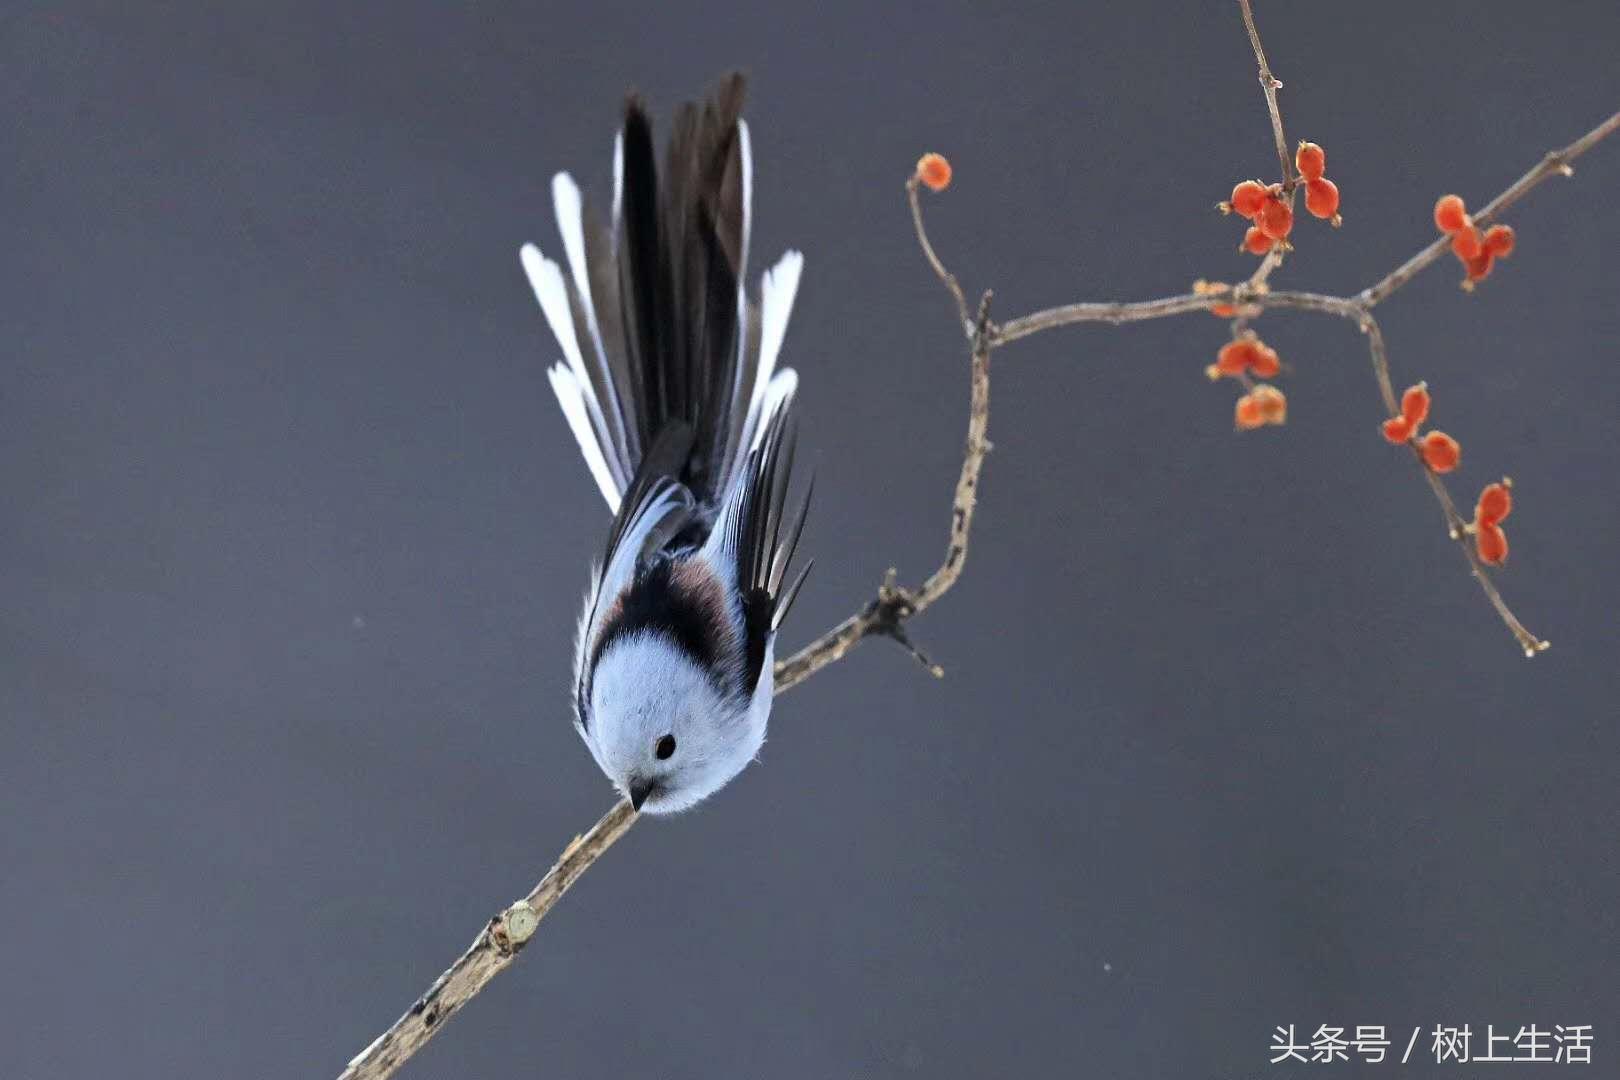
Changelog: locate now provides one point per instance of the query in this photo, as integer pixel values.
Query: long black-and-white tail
(653, 316)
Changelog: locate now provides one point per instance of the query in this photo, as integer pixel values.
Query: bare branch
(946, 278)
(492, 951)
(1457, 526)
(1119, 313)
(1270, 84)
(887, 613)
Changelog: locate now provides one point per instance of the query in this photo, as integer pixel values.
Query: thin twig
(1457, 526)
(1270, 84)
(1380, 363)
(893, 605)
(946, 278)
(1119, 313)
(492, 951)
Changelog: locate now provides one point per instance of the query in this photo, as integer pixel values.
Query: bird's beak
(639, 790)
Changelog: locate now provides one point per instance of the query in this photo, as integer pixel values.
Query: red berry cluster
(1442, 454)
(1243, 358)
(1265, 206)
(1321, 194)
(1440, 451)
(1265, 404)
(1272, 216)
(1476, 250)
(1246, 355)
(1495, 504)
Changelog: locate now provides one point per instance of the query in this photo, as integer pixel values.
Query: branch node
(517, 924)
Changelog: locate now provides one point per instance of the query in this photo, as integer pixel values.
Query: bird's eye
(664, 747)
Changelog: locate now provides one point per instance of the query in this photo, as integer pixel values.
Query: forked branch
(1358, 308)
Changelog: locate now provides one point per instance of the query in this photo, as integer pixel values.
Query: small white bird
(671, 388)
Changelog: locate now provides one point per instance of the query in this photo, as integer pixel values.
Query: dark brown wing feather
(758, 543)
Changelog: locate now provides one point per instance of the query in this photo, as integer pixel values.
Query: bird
(669, 381)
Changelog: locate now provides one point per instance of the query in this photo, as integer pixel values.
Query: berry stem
(946, 278)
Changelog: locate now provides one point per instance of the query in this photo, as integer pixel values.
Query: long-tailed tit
(670, 385)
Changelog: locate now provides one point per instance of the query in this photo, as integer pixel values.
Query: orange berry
(1266, 363)
(1235, 357)
(1311, 161)
(1322, 197)
(1491, 543)
(1479, 267)
(1248, 415)
(1276, 220)
(1272, 402)
(1222, 311)
(1499, 240)
(1440, 451)
(1495, 504)
(1255, 241)
(1466, 243)
(1247, 198)
(1450, 214)
(934, 171)
(1415, 406)
(1397, 430)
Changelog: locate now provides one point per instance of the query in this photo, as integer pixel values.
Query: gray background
(295, 537)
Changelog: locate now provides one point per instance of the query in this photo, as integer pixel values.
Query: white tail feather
(571, 396)
(777, 289)
(618, 184)
(545, 277)
(570, 210)
(746, 154)
(783, 385)
(737, 441)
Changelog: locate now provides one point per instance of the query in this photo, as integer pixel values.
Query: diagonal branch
(1556, 163)
(492, 952)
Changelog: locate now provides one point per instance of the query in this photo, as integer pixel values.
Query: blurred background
(295, 537)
